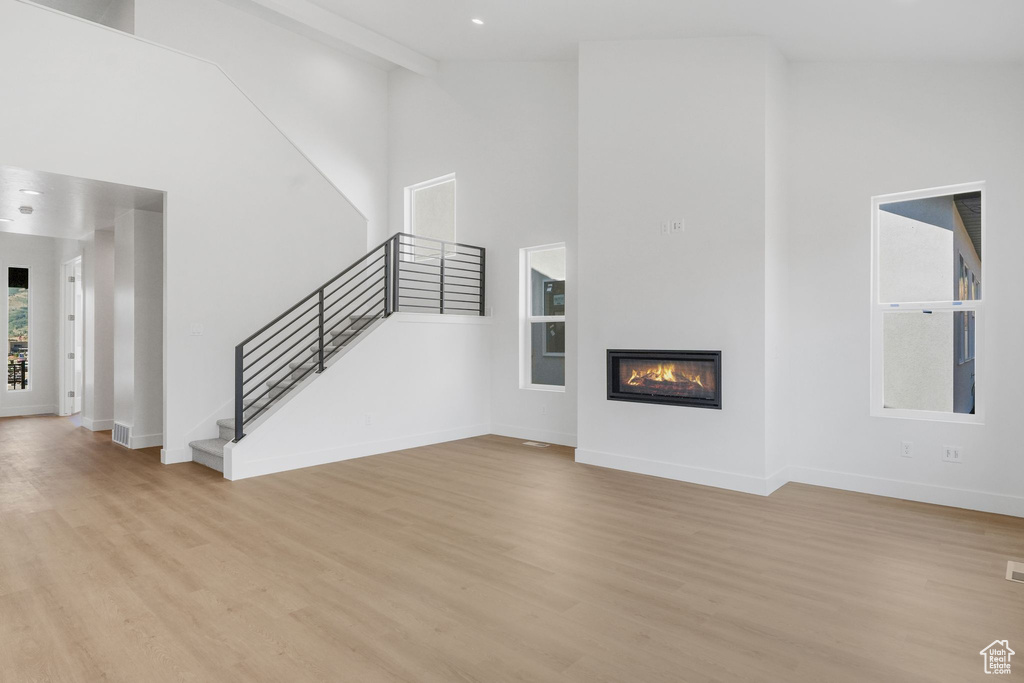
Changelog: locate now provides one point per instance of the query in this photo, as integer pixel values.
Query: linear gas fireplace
(679, 378)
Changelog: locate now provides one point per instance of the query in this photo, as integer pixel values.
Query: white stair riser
(208, 459)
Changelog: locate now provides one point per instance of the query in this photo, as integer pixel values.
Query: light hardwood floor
(478, 560)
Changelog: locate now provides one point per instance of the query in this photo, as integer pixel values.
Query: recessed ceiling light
(478, 22)
(31, 192)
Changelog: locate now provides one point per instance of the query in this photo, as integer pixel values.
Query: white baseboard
(531, 434)
(236, 467)
(98, 425)
(667, 470)
(924, 493)
(145, 441)
(25, 411)
(776, 481)
(172, 456)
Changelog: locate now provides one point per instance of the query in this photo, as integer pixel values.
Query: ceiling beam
(337, 28)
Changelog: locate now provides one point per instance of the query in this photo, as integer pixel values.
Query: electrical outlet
(196, 330)
(907, 449)
(678, 226)
(951, 454)
(665, 227)
(367, 419)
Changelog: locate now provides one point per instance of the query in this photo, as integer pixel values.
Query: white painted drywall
(138, 326)
(508, 132)
(120, 14)
(333, 105)
(124, 318)
(846, 149)
(98, 289)
(776, 286)
(148, 409)
(674, 129)
(251, 225)
(415, 380)
(40, 255)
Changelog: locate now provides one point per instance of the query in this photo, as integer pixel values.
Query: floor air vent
(1015, 571)
(535, 444)
(122, 434)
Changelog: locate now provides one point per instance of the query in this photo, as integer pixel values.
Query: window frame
(527, 318)
(878, 309)
(410, 194)
(29, 384)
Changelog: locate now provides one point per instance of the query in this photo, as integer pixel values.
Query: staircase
(404, 273)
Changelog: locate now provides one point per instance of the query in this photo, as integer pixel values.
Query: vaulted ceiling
(875, 30)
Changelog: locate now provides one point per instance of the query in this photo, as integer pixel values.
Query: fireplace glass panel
(681, 378)
(691, 378)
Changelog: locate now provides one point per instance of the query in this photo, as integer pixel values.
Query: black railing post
(397, 305)
(442, 278)
(483, 277)
(387, 278)
(24, 375)
(239, 383)
(320, 367)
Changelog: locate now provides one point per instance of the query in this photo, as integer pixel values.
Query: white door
(71, 339)
(79, 338)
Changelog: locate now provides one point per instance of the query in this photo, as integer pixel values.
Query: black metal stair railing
(405, 272)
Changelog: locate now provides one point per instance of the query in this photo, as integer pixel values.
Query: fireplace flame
(662, 372)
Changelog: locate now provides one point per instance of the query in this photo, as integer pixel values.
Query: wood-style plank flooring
(477, 560)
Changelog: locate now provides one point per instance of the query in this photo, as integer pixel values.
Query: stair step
(301, 369)
(253, 407)
(209, 452)
(333, 344)
(280, 387)
(227, 429)
(343, 333)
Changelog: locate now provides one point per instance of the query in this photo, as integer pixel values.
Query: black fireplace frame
(615, 355)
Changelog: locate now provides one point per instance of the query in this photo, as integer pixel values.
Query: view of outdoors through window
(929, 296)
(17, 328)
(545, 317)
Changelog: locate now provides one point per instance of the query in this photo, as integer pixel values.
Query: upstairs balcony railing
(404, 273)
(17, 374)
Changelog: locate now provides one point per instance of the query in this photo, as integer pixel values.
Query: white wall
(674, 129)
(250, 224)
(332, 105)
(124, 318)
(120, 15)
(41, 255)
(846, 149)
(508, 132)
(98, 291)
(416, 380)
(138, 326)
(148, 419)
(776, 267)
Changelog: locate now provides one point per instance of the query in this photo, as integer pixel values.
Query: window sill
(928, 416)
(544, 387)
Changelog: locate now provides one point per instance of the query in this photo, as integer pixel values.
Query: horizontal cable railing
(433, 276)
(17, 374)
(406, 272)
